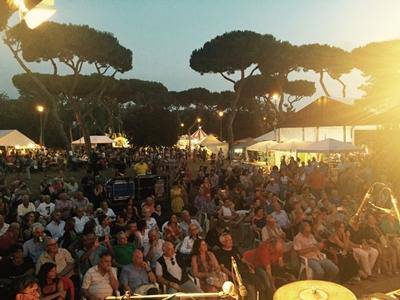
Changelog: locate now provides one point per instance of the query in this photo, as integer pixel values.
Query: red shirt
(262, 256)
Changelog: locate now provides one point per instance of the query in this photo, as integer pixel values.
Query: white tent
(94, 139)
(213, 145)
(14, 138)
(291, 145)
(269, 136)
(263, 146)
(328, 146)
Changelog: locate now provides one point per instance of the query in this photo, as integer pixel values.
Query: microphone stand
(128, 295)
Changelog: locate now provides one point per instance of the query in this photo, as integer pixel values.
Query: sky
(163, 33)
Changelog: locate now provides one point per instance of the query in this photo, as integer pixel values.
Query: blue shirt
(134, 276)
(33, 249)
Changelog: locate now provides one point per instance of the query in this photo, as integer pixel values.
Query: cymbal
(313, 290)
(378, 296)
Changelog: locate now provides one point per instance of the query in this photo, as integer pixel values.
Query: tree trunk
(231, 118)
(321, 81)
(82, 125)
(343, 87)
(51, 98)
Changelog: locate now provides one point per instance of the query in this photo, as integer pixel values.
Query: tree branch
(227, 78)
(252, 71)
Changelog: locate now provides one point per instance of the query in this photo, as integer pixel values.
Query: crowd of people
(64, 240)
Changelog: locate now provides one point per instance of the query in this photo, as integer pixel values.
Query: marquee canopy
(269, 136)
(94, 139)
(291, 145)
(262, 146)
(214, 145)
(14, 138)
(328, 146)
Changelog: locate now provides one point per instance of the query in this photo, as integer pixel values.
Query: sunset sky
(163, 33)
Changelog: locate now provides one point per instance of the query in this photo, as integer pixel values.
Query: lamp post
(220, 115)
(197, 121)
(40, 109)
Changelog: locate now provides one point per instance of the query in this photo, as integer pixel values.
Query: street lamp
(220, 115)
(198, 121)
(182, 125)
(40, 109)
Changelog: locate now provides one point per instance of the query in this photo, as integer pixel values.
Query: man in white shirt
(280, 216)
(80, 220)
(152, 247)
(25, 207)
(186, 221)
(188, 241)
(305, 245)
(150, 221)
(56, 226)
(46, 208)
(101, 280)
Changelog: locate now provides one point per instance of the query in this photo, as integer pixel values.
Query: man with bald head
(170, 271)
(137, 275)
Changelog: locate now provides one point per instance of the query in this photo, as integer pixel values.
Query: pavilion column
(344, 134)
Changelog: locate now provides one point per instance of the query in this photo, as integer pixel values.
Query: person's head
(63, 196)
(47, 273)
(141, 225)
(38, 231)
(131, 227)
(79, 212)
(146, 212)
(226, 241)
(122, 239)
(79, 196)
(199, 247)
(193, 230)
(340, 227)
(90, 209)
(305, 228)
(168, 249)
(56, 216)
(70, 224)
(104, 206)
(17, 254)
(153, 235)
(88, 240)
(105, 261)
(259, 212)
(173, 219)
(51, 246)
(277, 206)
(270, 221)
(185, 216)
(137, 258)
(277, 245)
(46, 199)
(104, 220)
(14, 228)
(27, 288)
(25, 200)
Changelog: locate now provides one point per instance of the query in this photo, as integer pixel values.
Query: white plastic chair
(305, 268)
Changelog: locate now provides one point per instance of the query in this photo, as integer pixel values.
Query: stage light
(35, 12)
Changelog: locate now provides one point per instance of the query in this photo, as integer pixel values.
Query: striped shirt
(98, 284)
